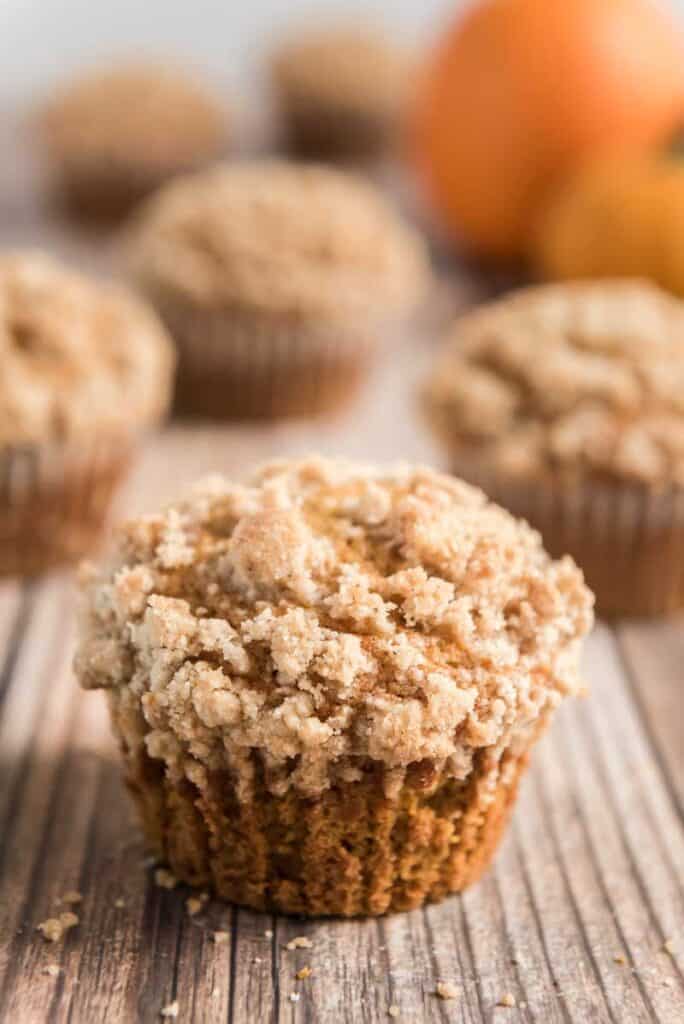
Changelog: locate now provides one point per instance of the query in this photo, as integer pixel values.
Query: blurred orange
(520, 91)
(616, 218)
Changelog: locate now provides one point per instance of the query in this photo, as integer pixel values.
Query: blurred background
(39, 42)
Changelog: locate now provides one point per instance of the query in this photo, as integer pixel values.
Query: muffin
(325, 684)
(277, 282)
(341, 92)
(565, 403)
(115, 136)
(85, 371)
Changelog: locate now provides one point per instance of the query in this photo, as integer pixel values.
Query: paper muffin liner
(627, 538)
(242, 366)
(319, 133)
(54, 500)
(354, 850)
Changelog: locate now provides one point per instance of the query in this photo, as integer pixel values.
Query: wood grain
(571, 921)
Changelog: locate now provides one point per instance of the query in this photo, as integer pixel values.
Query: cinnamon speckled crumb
(54, 928)
(397, 615)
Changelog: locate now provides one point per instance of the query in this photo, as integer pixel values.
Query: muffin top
(135, 114)
(280, 238)
(76, 356)
(328, 617)
(575, 379)
(344, 68)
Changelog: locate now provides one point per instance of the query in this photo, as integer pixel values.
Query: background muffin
(566, 404)
(277, 282)
(114, 136)
(84, 370)
(342, 92)
(326, 684)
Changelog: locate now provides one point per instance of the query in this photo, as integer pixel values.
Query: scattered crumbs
(71, 897)
(54, 928)
(303, 973)
(299, 942)
(220, 938)
(393, 1011)
(194, 904)
(170, 1011)
(119, 903)
(447, 990)
(52, 970)
(268, 934)
(668, 946)
(508, 999)
(619, 959)
(294, 997)
(165, 879)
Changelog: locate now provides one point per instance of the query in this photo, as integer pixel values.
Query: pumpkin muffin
(277, 282)
(342, 92)
(115, 136)
(85, 370)
(565, 403)
(326, 684)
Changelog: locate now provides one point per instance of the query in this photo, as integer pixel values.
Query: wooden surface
(572, 920)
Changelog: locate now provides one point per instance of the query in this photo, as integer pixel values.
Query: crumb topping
(278, 237)
(54, 928)
(326, 617)
(75, 355)
(349, 70)
(135, 113)
(572, 379)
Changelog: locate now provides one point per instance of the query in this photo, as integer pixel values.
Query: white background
(41, 40)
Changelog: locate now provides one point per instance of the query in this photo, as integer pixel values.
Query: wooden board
(572, 920)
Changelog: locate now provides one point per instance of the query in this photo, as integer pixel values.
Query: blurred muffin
(115, 136)
(341, 92)
(616, 218)
(326, 684)
(276, 281)
(85, 370)
(565, 403)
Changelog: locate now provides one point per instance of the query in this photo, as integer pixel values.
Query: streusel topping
(278, 237)
(580, 378)
(133, 114)
(349, 69)
(325, 616)
(75, 355)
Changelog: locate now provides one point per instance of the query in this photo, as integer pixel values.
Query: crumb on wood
(194, 904)
(668, 946)
(54, 928)
(170, 1012)
(507, 999)
(268, 934)
(220, 938)
(303, 973)
(165, 879)
(52, 970)
(71, 897)
(294, 997)
(215, 992)
(619, 959)
(447, 990)
(393, 1011)
(119, 903)
(299, 942)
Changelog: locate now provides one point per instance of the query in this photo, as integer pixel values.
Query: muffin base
(317, 134)
(351, 851)
(627, 539)
(244, 366)
(54, 503)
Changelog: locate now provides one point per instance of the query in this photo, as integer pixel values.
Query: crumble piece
(299, 942)
(508, 999)
(54, 928)
(447, 990)
(165, 879)
(170, 1011)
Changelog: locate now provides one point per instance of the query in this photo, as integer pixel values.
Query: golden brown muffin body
(326, 683)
